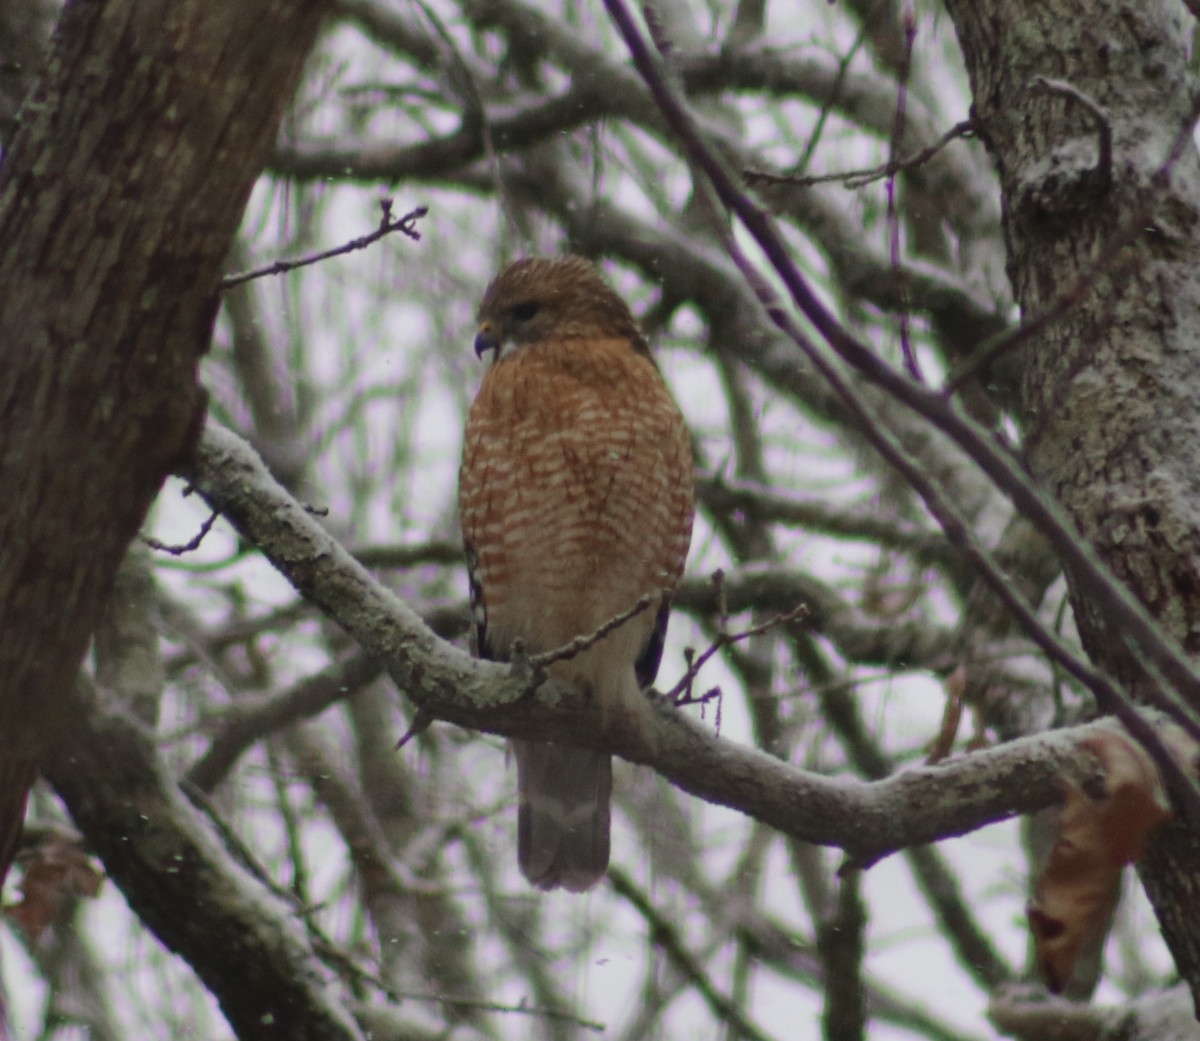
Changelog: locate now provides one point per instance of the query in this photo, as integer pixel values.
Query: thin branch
(831, 100)
(590, 1025)
(406, 225)
(840, 941)
(663, 934)
(350, 967)
(893, 219)
(967, 936)
(300, 887)
(354, 817)
(244, 724)
(538, 662)
(410, 555)
(191, 545)
(681, 693)
(861, 178)
(722, 495)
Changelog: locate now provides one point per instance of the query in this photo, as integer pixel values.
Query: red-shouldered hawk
(576, 500)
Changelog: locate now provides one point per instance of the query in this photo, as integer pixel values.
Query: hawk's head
(561, 298)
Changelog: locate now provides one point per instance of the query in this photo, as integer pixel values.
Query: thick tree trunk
(24, 28)
(119, 198)
(1111, 390)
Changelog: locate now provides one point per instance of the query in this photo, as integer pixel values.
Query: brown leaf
(1074, 898)
(55, 868)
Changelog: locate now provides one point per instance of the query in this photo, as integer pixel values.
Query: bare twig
(496, 1006)
(383, 556)
(955, 688)
(893, 220)
(830, 102)
(718, 580)
(664, 934)
(422, 721)
(1009, 340)
(300, 888)
(538, 662)
(681, 693)
(406, 225)
(861, 178)
(188, 547)
(349, 966)
(814, 513)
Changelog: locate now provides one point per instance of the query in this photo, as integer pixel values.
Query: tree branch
(868, 821)
(245, 944)
(406, 225)
(243, 724)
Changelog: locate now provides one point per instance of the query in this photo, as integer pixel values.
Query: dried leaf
(54, 869)
(1074, 898)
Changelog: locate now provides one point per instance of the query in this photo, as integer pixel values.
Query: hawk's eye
(523, 312)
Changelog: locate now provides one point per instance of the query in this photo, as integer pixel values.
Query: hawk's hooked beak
(486, 340)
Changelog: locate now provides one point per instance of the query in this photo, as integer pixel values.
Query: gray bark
(1110, 390)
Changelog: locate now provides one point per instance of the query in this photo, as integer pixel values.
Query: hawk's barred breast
(576, 491)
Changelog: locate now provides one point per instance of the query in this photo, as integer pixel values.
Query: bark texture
(1110, 390)
(246, 944)
(119, 198)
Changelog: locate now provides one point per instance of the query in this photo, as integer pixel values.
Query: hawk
(575, 494)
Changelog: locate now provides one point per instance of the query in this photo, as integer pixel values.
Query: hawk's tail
(563, 820)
